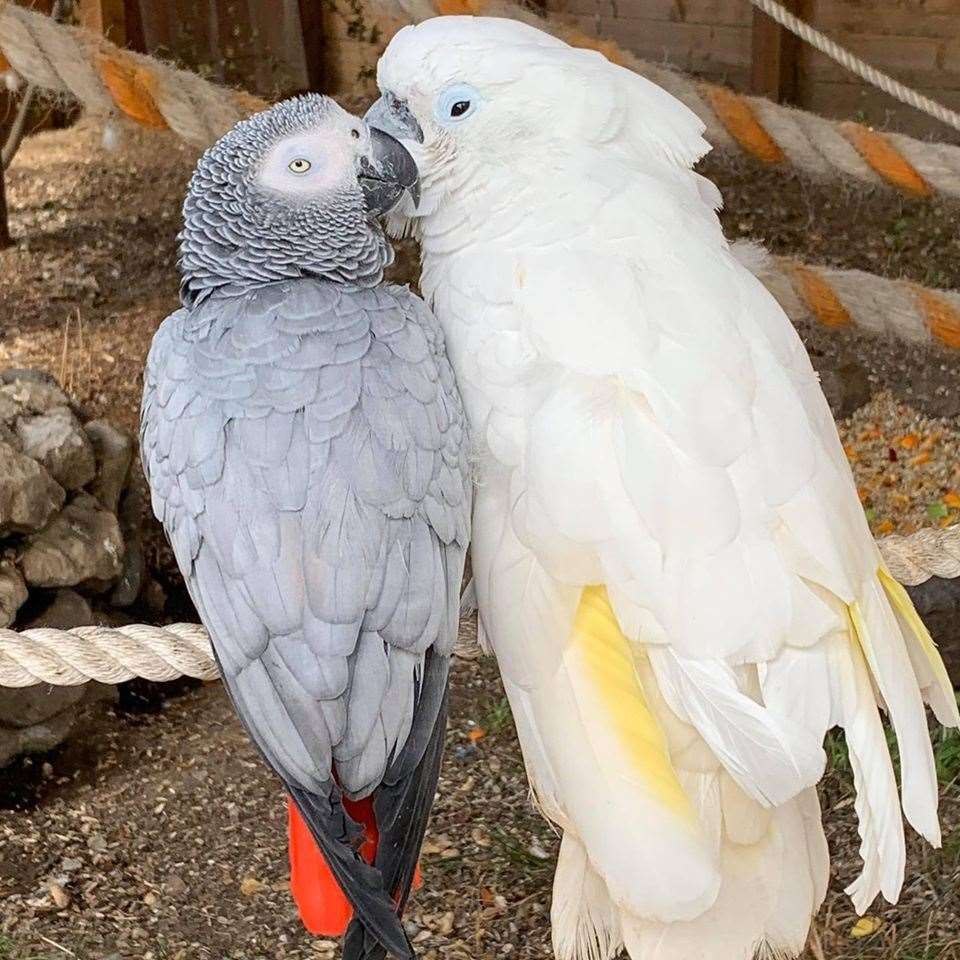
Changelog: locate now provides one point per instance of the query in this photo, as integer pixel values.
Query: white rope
(65, 658)
(927, 553)
(854, 64)
(68, 657)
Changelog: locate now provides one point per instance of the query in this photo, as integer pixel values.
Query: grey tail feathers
(363, 884)
(402, 808)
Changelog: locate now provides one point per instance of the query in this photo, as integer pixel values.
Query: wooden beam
(5, 239)
(106, 17)
(775, 57)
(133, 26)
(311, 26)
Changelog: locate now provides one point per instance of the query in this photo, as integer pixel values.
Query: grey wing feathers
(306, 454)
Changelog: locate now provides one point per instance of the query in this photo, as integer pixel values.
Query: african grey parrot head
(293, 191)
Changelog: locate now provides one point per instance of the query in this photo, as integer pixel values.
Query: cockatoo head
(467, 92)
(293, 191)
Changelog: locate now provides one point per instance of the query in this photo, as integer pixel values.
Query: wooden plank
(775, 57)
(106, 17)
(711, 50)
(133, 26)
(5, 239)
(311, 27)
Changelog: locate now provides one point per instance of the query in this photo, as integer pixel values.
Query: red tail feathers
(324, 909)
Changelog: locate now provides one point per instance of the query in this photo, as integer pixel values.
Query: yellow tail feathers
(905, 608)
(607, 660)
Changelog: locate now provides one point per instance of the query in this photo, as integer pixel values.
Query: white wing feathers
(651, 424)
(771, 757)
(677, 448)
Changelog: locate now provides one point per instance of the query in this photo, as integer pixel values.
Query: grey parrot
(304, 442)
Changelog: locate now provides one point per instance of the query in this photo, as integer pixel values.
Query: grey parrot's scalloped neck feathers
(238, 235)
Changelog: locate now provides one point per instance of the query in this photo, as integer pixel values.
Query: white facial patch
(309, 163)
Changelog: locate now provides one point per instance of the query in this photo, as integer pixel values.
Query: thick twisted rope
(853, 298)
(107, 80)
(854, 64)
(770, 132)
(927, 553)
(68, 657)
(65, 658)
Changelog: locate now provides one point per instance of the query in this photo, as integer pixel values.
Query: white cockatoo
(671, 562)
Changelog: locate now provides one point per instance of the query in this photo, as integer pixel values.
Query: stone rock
(8, 437)
(134, 562)
(9, 409)
(39, 718)
(35, 396)
(113, 450)
(938, 603)
(13, 593)
(13, 374)
(58, 441)
(38, 738)
(846, 386)
(29, 496)
(155, 598)
(23, 707)
(66, 610)
(82, 543)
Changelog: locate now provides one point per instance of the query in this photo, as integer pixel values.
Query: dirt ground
(160, 835)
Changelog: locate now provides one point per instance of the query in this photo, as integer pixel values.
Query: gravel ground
(160, 835)
(907, 465)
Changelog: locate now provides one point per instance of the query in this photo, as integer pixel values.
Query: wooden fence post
(311, 26)
(775, 57)
(106, 17)
(5, 239)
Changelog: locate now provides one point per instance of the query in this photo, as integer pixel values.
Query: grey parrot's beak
(393, 116)
(387, 173)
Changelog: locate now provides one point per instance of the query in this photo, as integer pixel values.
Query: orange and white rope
(770, 132)
(108, 81)
(853, 298)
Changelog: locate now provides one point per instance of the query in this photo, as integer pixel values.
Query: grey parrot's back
(306, 452)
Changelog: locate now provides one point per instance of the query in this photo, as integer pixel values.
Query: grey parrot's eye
(456, 103)
(300, 165)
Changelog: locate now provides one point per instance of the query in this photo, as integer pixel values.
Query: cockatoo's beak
(393, 116)
(387, 173)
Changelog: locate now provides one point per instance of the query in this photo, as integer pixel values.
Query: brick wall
(916, 41)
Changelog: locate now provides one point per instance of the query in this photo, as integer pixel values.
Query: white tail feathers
(771, 757)
(878, 633)
(586, 925)
(932, 676)
(619, 730)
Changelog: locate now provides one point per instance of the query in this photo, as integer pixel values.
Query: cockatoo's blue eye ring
(456, 103)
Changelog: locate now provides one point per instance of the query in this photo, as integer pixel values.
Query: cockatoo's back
(671, 561)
